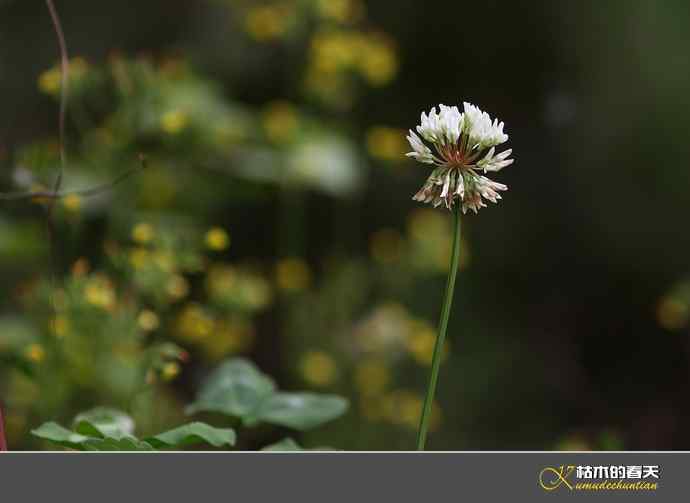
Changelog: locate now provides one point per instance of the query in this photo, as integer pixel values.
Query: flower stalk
(459, 146)
(443, 325)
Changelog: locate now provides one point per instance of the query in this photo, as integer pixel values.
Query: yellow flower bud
(217, 239)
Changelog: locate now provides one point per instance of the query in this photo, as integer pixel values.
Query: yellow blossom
(174, 121)
(318, 368)
(239, 288)
(170, 371)
(334, 51)
(673, 313)
(177, 287)
(230, 336)
(387, 144)
(266, 22)
(50, 81)
(143, 233)
(404, 408)
(35, 353)
(342, 11)
(217, 239)
(378, 63)
(421, 341)
(100, 292)
(372, 377)
(194, 323)
(148, 320)
(72, 202)
(255, 292)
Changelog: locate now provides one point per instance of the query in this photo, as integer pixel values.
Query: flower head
(464, 144)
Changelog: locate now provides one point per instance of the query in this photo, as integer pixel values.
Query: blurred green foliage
(236, 389)
(273, 220)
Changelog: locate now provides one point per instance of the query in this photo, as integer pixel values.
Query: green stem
(443, 325)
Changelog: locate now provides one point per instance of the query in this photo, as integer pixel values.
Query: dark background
(556, 335)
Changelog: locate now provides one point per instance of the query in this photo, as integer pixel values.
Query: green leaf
(58, 435)
(235, 388)
(285, 445)
(67, 438)
(115, 444)
(301, 411)
(194, 433)
(103, 422)
(238, 388)
(289, 445)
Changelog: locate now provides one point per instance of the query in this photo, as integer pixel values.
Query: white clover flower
(422, 153)
(480, 129)
(492, 162)
(464, 143)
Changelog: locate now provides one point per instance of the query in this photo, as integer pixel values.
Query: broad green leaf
(285, 445)
(301, 411)
(103, 422)
(289, 445)
(238, 388)
(115, 444)
(58, 435)
(66, 438)
(194, 433)
(235, 388)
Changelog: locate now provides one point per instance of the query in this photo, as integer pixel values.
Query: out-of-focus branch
(56, 194)
(64, 84)
(98, 189)
(64, 78)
